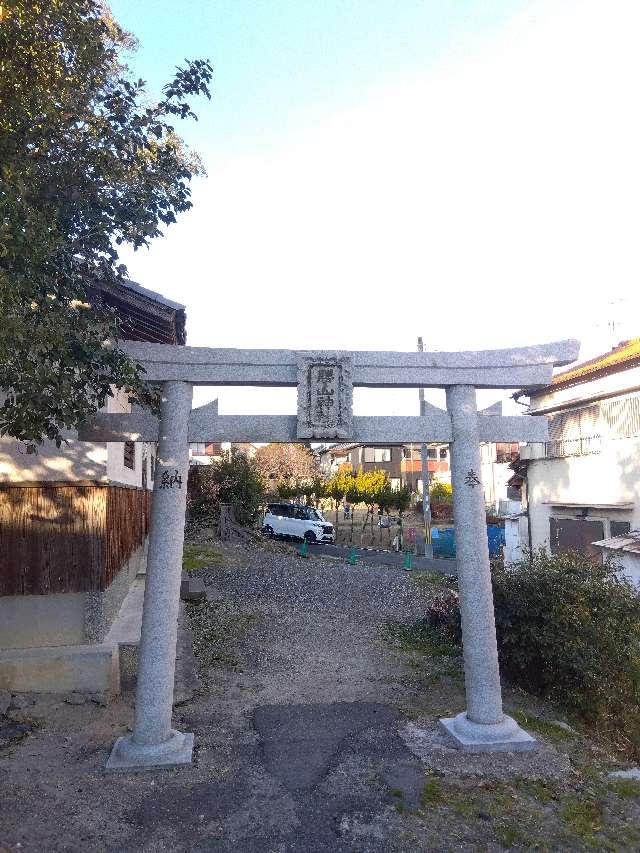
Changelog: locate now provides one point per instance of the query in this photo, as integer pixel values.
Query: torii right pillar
(483, 727)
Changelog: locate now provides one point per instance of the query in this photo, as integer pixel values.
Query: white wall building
(121, 463)
(583, 485)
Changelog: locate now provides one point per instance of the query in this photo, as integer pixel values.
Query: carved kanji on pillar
(325, 395)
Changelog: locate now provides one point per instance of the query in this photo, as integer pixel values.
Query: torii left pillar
(153, 742)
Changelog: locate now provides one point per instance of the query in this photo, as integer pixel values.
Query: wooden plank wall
(127, 524)
(67, 537)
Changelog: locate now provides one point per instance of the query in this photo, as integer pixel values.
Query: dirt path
(313, 734)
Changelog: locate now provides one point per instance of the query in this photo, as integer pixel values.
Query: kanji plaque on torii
(325, 395)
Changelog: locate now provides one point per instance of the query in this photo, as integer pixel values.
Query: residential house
(204, 453)
(400, 461)
(583, 485)
(495, 473)
(73, 531)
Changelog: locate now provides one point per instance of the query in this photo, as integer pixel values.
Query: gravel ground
(315, 732)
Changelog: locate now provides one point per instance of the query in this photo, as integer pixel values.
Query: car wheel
(268, 530)
(310, 536)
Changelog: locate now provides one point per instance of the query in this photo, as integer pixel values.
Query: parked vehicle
(299, 522)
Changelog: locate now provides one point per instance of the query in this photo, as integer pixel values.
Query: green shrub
(568, 629)
(233, 480)
(441, 493)
(203, 492)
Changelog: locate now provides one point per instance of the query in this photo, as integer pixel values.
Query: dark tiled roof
(144, 314)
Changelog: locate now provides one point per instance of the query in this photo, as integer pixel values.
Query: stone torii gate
(325, 381)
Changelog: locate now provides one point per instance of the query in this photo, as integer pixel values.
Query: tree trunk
(364, 527)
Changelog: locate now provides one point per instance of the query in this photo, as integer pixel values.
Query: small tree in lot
(313, 491)
(385, 503)
(353, 497)
(398, 499)
(371, 485)
(441, 498)
(290, 464)
(336, 489)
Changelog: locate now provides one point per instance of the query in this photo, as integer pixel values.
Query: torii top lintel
(325, 381)
(528, 367)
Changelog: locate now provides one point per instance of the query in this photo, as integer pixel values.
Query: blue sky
(282, 64)
(464, 170)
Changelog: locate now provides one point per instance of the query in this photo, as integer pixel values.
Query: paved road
(385, 558)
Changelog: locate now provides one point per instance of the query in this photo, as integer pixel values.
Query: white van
(300, 522)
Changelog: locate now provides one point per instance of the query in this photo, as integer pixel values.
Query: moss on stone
(549, 730)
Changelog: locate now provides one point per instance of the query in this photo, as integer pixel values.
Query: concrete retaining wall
(66, 619)
(90, 669)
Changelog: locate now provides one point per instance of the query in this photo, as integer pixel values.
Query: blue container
(444, 541)
(495, 535)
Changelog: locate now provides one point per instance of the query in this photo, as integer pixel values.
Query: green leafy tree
(353, 497)
(313, 491)
(441, 492)
(285, 491)
(87, 163)
(232, 480)
(337, 487)
(401, 500)
(371, 486)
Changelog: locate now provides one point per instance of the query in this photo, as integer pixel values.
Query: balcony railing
(573, 447)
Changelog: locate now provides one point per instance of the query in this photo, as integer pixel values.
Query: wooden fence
(68, 537)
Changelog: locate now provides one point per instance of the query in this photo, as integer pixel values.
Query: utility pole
(424, 467)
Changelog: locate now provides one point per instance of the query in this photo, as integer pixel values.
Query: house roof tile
(621, 357)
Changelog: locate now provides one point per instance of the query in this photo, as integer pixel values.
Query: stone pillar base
(506, 736)
(127, 755)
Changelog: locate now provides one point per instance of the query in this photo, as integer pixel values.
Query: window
(619, 528)
(444, 452)
(411, 453)
(621, 417)
(377, 454)
(153, 466)
(130, 455)
(576, 432)
(144, 468)
(507, 452)
(395, 484)
(432, 453)
(197, 449)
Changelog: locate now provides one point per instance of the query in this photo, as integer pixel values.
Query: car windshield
(314, 514)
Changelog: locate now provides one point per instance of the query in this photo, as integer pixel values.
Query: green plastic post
(304, 549)
(407, 565)
(351, 559)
